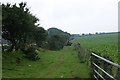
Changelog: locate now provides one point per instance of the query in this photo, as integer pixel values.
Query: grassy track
(105, 44)
(53, 64)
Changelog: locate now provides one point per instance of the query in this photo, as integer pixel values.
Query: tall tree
(17, 23)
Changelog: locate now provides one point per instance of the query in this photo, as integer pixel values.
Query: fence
(103, 69)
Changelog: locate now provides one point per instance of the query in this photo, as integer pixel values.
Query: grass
(104, 44)
(53, 64)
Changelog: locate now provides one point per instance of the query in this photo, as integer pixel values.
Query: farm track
(53, 64)
(56, 66)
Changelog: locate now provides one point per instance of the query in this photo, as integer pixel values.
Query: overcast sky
(75, 16)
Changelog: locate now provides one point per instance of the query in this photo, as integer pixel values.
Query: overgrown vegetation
(57, 39)
(32, 53)
(83, 54)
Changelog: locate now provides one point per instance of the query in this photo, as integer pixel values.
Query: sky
(75, 16)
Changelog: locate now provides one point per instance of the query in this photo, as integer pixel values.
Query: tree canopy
(57, 38)
(40, 35)
(18, 24)
(21, 28)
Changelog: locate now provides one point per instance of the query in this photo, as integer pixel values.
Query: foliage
(17, 23)
(32, 53)
(83, 54)
(40, 36)
(56, 42)
(57, 39)
(55, 31)
(118, 48)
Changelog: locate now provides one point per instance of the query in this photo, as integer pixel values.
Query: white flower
(61, 76)
(29, 65)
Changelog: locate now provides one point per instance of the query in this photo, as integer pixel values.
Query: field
(52, 64)
(102, 44)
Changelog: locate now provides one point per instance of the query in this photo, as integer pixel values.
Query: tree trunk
(12, 46)
(17, 44)
(2, 47)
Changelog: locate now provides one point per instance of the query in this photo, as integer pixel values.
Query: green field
(102, 44)
(60, 64)
(53, 64)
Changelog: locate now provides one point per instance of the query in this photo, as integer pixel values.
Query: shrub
(32, 53)
(56, 42)
(83, 54)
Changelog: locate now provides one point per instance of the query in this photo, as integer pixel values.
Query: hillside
(102, 44)
(52, 64)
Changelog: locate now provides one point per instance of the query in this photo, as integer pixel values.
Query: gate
(103, 69)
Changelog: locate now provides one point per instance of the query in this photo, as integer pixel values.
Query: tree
(83, 34)
(56, 42)
(17, 23)
(96, 33)
(40, 36)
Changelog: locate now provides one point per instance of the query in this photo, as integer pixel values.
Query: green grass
(53, 64)
(105, 44)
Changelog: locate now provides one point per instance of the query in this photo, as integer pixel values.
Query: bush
(56, 42)
(83, 54)
(32, 53)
